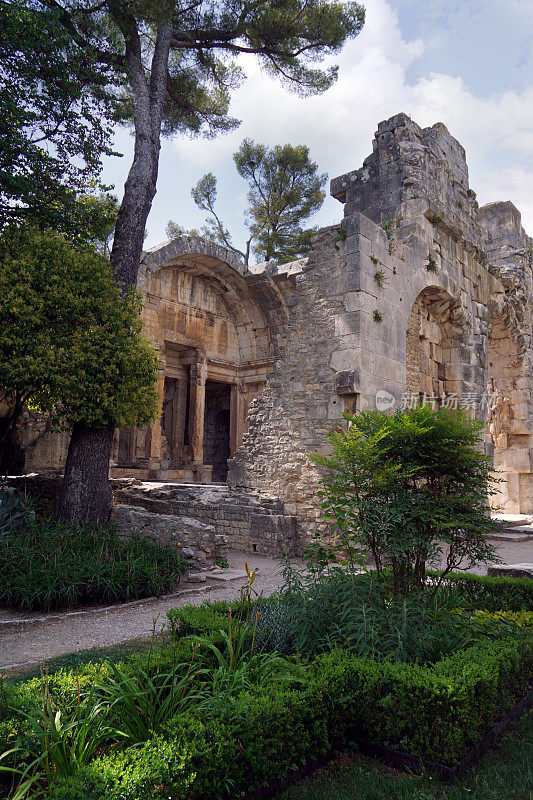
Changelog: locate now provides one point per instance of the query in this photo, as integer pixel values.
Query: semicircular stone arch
(216, 348)
(436, 332)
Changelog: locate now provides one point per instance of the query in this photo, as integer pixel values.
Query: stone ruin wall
(451, 271)
(449, 316)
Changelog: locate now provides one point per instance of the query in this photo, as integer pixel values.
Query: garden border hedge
(444, 772)
(491, 592)
(436, 712)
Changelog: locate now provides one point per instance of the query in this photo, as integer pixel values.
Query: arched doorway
(214, 344)
(509, 419)
(434, 332)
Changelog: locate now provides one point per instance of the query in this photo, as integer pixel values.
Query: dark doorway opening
(217, 428)
(12, 456)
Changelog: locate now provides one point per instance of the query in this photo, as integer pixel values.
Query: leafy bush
(48, 565)
(14, 510)
(141, 704)
(357, 613)
(58, 742)
(155, 771)
(433, 712)
(214, 717)
(491, 593)
(402, 486)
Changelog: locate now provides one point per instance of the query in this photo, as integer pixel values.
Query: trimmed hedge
(207, 618)
(434, 712)
(490, 592)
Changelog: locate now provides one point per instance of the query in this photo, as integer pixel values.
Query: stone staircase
(513, 528)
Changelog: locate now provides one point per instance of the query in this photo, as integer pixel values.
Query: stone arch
(435, 332)
(509, 413)
(216, 331)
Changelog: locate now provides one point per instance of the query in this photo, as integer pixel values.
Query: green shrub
(522, 619)
(155, 771)
(256, 731)
(401, 486)
(48, 565)
(435, 712)
(358, 613)
(491, 593)
(14, 510)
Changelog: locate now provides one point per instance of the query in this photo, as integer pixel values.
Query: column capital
(199, 370)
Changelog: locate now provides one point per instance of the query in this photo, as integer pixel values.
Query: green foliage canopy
(69, 344)
(285, 189)
(55, 118)
(408, 488)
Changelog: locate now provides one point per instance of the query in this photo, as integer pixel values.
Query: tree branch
(106, 57)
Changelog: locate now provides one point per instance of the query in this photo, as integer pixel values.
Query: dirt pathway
(27, 639)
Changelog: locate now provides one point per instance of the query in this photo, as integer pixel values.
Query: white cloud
(373, 84)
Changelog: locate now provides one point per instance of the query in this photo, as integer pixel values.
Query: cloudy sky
(467, 63)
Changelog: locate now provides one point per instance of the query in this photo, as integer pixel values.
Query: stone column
(155, 432)
(180, 415)
(237, 416)
(198, 377)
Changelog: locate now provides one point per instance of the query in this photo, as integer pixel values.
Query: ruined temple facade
(418, 293)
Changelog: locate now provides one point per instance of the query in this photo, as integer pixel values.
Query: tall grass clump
(49, 565)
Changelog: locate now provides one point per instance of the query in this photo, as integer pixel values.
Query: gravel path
(25, 643)
(26, 640)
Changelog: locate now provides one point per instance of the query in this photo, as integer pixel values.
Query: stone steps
(513, 533)
(206, 518)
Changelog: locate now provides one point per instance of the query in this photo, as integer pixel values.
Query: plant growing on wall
(410, 488)
(388, 226)
(431, 266)
(379, 278)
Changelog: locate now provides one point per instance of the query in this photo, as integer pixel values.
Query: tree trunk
(86, 494)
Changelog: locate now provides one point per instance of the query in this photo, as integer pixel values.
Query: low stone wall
(192, 537)
(242, 520)
(202, 520)
(42, 488)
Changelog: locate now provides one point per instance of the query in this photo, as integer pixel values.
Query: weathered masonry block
(418, 293)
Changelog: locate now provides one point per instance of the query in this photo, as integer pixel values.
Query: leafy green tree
(173, 230)
(55, 110)
(172, 72)
(98, 216)
(285, 189)
(70, 346)
(409, 488)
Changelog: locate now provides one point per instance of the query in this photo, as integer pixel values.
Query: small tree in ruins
(410, 489)
(172, 64)
(70, 346)
(285, 189)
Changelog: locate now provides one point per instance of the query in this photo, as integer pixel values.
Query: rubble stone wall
(399, 299)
